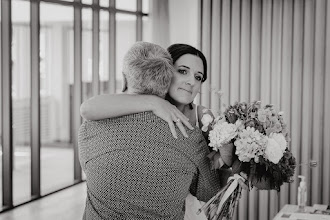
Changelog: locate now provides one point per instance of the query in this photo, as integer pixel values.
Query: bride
(191, 72)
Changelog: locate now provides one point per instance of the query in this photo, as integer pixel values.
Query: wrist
(150, 102)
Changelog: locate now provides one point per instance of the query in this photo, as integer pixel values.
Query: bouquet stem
(213, 199)
(216, 209)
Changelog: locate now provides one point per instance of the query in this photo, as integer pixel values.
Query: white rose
(206, 120)
(280, 139)
(273, 151)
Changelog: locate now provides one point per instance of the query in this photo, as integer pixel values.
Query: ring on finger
(177, 120)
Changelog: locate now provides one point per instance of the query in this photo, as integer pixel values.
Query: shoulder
(139, 124)
(144, 124)
(194, 147)
(131, 119)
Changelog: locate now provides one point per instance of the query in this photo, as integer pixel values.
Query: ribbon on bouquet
(229, 190)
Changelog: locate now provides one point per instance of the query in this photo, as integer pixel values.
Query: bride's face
(187, 79)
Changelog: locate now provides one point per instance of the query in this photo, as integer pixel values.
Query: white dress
(192, 203)
(192, 207)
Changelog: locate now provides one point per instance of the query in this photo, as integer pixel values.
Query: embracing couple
(143, 153)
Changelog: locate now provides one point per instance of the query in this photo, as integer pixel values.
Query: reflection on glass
(145, 6)
(126, 37)
(87, 59)
(129, 5)
(21, 94)
(56, 23)
(104, 52)
(146, 31)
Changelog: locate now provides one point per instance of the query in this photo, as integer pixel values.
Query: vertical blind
(278, 52)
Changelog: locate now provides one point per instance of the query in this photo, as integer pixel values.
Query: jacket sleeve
(206, 182)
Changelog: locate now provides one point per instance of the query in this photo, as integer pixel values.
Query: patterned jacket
(135, 169)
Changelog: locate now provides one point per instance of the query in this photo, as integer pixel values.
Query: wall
(184, 22)
(277, 52)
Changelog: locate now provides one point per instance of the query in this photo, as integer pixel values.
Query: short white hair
(148, 69)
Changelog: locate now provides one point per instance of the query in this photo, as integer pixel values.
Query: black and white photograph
(165, 110)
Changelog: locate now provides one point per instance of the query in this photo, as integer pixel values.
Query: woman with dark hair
(191, 71)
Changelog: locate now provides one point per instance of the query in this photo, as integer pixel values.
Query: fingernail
(186, 136)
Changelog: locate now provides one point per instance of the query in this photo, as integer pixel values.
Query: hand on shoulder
(171, 114)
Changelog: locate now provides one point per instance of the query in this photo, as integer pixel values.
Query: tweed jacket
(135, 169)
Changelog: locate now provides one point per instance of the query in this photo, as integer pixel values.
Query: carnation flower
(206, 120)
(262, 115)
(222, 133)
(273, 151)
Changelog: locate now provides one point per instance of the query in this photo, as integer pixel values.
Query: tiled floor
(67, 204)
(56, 171)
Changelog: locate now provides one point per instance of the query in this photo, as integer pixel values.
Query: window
(106, 34)
(21, 94)
(87, 53)
(126, 30)
(56, 43)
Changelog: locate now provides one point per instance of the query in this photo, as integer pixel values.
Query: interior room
(56, 54)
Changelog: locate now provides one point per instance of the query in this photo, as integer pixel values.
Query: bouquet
(259, 138)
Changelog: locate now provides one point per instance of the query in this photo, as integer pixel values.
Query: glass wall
(145, 6)
(87, 54)
(58, 77)
(104, 3)
(55, 74)
(104, 53)
(126, 36)
(21, 94)
(129, 5)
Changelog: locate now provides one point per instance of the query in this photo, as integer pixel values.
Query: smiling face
(187, 79)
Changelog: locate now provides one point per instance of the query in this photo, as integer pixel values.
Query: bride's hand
(171, 114)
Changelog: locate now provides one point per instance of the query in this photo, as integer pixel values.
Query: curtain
(275, 51)
(159, 17)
